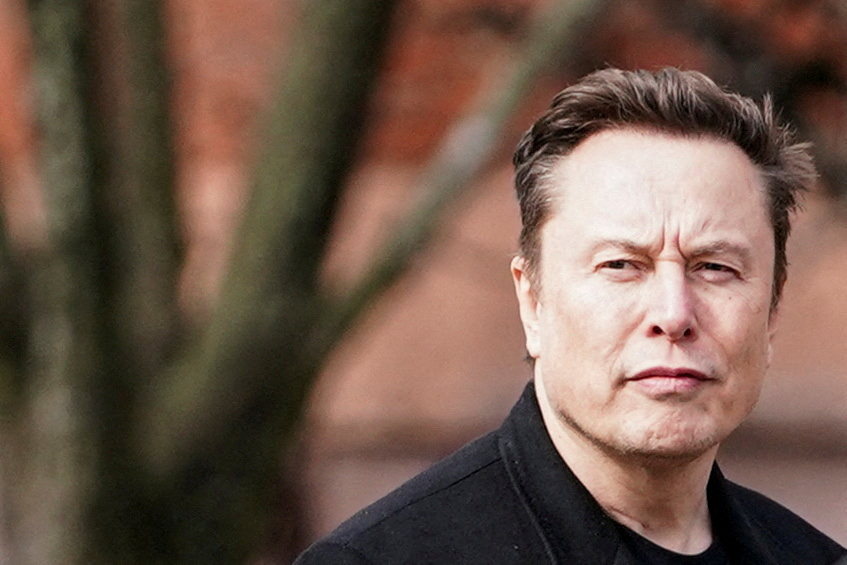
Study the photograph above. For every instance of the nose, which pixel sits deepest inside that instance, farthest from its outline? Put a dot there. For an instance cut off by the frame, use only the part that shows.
(671, 312)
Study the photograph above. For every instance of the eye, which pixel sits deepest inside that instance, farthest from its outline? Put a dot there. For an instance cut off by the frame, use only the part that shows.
(617, 264)
(716, 272)
(621, 269)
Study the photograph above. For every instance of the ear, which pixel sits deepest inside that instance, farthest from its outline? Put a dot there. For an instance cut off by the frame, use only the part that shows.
(529, 305)
(773, 318)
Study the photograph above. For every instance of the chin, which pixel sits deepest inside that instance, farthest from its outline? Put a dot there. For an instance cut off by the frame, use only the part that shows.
(673, 442)
(678, 452)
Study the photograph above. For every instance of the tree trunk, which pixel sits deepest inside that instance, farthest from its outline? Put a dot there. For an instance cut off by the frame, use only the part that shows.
(57, 460)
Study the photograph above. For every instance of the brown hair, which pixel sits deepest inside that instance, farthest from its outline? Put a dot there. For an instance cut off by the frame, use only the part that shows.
(671, 101)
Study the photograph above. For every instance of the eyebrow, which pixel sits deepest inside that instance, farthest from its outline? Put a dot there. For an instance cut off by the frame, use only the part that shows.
(724, 247)
(619, 243)
(721, 247)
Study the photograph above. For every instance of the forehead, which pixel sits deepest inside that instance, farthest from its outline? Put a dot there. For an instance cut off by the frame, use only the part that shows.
(644, 165)
(656, 189)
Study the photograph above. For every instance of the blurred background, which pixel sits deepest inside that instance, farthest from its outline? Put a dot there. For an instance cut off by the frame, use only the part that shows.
(254, 264)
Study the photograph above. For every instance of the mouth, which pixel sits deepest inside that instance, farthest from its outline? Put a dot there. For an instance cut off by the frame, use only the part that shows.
(670, 373)
(660, 382)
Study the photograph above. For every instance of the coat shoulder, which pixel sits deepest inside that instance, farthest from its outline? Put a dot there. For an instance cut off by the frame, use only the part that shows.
(792, 535)
(463, 509)
(458, 474)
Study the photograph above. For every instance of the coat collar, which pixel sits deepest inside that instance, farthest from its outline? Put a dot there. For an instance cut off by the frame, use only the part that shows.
(743, 541)
(573, 525)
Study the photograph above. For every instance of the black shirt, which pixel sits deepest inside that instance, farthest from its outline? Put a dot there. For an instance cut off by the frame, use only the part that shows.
(645, 551)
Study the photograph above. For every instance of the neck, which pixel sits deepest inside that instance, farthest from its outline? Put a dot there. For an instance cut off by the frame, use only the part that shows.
(662, 499)
(666, 507)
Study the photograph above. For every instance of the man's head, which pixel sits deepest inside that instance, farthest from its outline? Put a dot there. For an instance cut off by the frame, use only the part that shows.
(655, 213)
(684, 103)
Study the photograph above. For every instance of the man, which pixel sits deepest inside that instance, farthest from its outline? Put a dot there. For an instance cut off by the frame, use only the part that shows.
(652, 257)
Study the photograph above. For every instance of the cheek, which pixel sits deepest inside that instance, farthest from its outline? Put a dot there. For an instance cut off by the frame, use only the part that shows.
(740, 399)
(745, 335)
(747, 355)
(738, 321)
(587, 327)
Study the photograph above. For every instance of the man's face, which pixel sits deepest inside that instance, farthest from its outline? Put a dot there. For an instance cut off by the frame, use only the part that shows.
(651, 327)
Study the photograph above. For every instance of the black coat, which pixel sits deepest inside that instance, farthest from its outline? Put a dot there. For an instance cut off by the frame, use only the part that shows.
(508, 498)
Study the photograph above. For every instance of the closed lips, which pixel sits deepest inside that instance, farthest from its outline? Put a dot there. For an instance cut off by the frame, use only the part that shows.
(670, 373)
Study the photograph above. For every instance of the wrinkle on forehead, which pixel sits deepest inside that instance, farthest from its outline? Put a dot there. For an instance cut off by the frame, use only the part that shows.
(660, 195)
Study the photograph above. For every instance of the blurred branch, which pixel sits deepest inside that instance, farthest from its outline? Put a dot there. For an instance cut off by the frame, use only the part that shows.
(466, 151)
(213, 431)
(135, 181)
(13, 325)
(312, 134)
(127, 90)
(249, 354)
(58, 458)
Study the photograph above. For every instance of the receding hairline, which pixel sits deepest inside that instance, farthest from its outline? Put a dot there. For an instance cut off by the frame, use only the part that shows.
(680, 102)
(551, 164)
